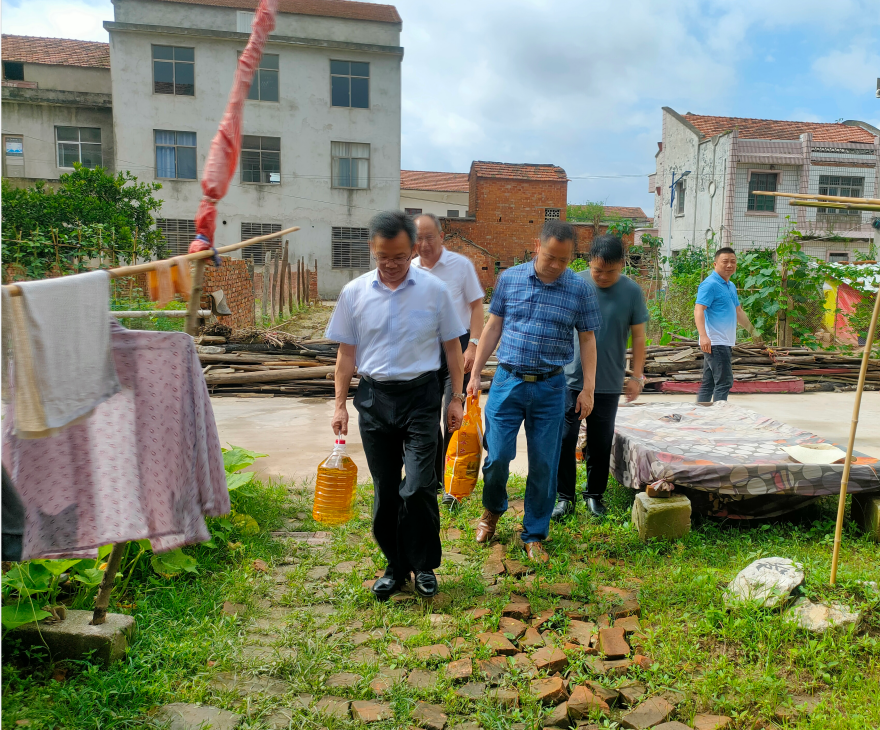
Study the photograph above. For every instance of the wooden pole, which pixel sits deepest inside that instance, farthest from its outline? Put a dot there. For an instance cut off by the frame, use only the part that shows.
(306, 283)
(836, 206)
(283, 284)
(269, 272)
(264, 298)
(299, 285)
(847, 464)
(195, 299)
(102, 600)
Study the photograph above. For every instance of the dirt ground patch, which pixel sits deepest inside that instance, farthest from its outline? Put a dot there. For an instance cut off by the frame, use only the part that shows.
(311, 322)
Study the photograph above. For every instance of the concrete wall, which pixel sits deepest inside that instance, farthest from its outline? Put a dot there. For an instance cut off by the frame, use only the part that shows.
(34, 114)
(303, 119)
(68, 78)
(432, 201)
(679, 153)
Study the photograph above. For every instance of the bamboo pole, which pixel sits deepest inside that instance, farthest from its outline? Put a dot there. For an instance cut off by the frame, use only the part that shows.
(15, 290)
(268, 376)
(837, 206)
(847, 464)
(809, 196)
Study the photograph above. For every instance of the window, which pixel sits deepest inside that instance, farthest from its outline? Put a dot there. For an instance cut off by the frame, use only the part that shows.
(13, 71)
(79, 144)
(838, 257)
(412, 211)
(175, 154)
(350, 248)
(680, 188)
(174, 70)
(257, 252)
(551, 214)
(244, 21)
(178, 234)
(847, 187)
(350, 84)
(350, 165)
(261, 160)
(265, 84)
(452, 214)
(762, 181)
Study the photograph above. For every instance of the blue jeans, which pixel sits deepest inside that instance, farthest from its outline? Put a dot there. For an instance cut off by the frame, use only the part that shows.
(542, 406)
(717, 375)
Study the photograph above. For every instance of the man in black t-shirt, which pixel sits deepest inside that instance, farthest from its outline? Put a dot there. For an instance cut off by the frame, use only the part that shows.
(622, 305)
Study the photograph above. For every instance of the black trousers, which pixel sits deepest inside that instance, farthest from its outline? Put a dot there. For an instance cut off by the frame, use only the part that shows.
(600, 434)
(445, 435)
(398, 425)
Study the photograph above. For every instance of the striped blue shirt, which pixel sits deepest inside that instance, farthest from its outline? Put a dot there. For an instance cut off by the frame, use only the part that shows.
(538, 317)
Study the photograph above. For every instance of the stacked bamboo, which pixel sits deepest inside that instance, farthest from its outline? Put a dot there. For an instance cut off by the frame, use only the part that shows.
(682, 361)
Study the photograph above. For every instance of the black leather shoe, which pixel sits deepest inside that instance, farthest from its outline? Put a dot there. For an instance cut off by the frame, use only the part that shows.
(386, 587)
(426, 583)
(563, 508)
(596, 506)
(449, 501)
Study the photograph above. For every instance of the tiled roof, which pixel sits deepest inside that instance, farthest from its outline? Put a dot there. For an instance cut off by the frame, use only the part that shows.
(324, 8)
(778, 129)
(447, 182)
(512, 171)
(614, 211)
(55, 51)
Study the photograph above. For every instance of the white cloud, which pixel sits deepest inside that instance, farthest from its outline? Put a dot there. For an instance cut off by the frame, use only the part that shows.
(855, 69)
(81, 19)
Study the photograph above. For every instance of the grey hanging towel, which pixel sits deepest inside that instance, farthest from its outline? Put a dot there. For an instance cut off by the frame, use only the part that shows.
(62, 355)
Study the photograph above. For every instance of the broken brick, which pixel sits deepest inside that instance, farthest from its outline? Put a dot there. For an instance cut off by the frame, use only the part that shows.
(513, 626)
(429, 716)
(497, 643)
(612, 643)
(520, 610)
(531, 639)
(651, 712)
(435, 651)
(460, 670)
(368, 711)
(550, 659)
(582, 702)
(549, 691)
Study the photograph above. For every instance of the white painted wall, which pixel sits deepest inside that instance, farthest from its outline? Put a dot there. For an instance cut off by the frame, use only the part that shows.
(432, 201)
(303, 119)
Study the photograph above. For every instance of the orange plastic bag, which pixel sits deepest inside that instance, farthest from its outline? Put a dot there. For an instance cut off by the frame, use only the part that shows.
(465, 452)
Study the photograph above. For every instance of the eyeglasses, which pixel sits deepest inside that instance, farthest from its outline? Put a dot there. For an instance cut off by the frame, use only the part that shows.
(399, 260)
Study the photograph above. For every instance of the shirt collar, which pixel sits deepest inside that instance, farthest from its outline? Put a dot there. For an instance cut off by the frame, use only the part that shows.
(530, 271)
(376, 283)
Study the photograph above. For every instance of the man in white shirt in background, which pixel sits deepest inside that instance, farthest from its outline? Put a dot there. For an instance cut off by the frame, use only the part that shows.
(392, 323)
(460, 276)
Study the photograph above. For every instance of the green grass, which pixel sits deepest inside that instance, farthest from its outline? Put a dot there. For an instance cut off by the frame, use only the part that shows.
(741, 663)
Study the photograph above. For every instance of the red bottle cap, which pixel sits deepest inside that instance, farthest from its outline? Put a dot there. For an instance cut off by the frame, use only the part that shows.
(340, 441)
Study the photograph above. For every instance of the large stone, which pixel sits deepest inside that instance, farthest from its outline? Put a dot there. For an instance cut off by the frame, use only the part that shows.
(428, 716)
(550, 659)
(548, 691)
(184, 716)
(583, 701)
(669, 518)
(767, 581)
(820, 617)
(73, 638)
(651, 712)
(369, 711)
(711, 722)
(866, 514)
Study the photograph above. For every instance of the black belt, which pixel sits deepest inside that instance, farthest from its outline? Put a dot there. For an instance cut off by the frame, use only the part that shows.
(531, 377)
(399, 386)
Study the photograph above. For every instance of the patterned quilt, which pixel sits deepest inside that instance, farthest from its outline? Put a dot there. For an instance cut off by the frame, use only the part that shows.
(724, 449)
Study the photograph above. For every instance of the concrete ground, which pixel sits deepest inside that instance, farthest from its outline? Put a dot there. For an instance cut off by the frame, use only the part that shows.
(296, 434)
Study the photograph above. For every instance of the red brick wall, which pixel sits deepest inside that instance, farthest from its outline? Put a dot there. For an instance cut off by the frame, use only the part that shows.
(483, 262)
(235, 279)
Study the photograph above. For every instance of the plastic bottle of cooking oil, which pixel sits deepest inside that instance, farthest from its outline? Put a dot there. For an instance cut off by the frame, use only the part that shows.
(335, 487)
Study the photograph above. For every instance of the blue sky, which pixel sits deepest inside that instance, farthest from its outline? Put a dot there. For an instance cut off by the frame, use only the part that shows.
(580, 83)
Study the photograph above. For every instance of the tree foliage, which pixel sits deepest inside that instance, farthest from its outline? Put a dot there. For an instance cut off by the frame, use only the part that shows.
(93, 213)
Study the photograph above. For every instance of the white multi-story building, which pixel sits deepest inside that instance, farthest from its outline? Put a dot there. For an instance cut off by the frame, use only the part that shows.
(719, 162)
(321, 133)
(441, 193)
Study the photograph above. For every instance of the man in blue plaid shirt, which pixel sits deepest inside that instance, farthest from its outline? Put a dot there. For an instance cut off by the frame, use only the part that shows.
(534, 308)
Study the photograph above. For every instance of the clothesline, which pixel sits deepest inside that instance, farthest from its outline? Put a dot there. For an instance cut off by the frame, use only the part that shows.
(15, 290)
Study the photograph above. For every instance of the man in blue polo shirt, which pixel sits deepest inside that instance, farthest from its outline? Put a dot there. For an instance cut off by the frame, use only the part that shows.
(535, 307)
(716, 314)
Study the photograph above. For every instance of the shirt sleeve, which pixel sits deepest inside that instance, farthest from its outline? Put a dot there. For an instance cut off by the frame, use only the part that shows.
(640, 310)
(472, 289)
(497, 305)
(587, 317)
(706, 293)
(448, 322)
(341, 327)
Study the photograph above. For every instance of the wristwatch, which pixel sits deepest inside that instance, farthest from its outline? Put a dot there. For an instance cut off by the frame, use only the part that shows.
(640, 381)
(460, 396)
(474, 340)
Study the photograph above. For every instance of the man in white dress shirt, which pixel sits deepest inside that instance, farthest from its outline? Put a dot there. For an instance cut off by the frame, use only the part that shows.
(460, 277)
(390, 323)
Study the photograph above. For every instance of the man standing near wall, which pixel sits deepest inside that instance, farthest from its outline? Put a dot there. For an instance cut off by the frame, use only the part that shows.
(390, 322)
(716, 314)
(535, 307)
(460, 277)
(624, 314)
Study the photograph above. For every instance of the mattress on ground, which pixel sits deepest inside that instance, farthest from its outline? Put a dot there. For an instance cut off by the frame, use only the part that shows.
(724, 449)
